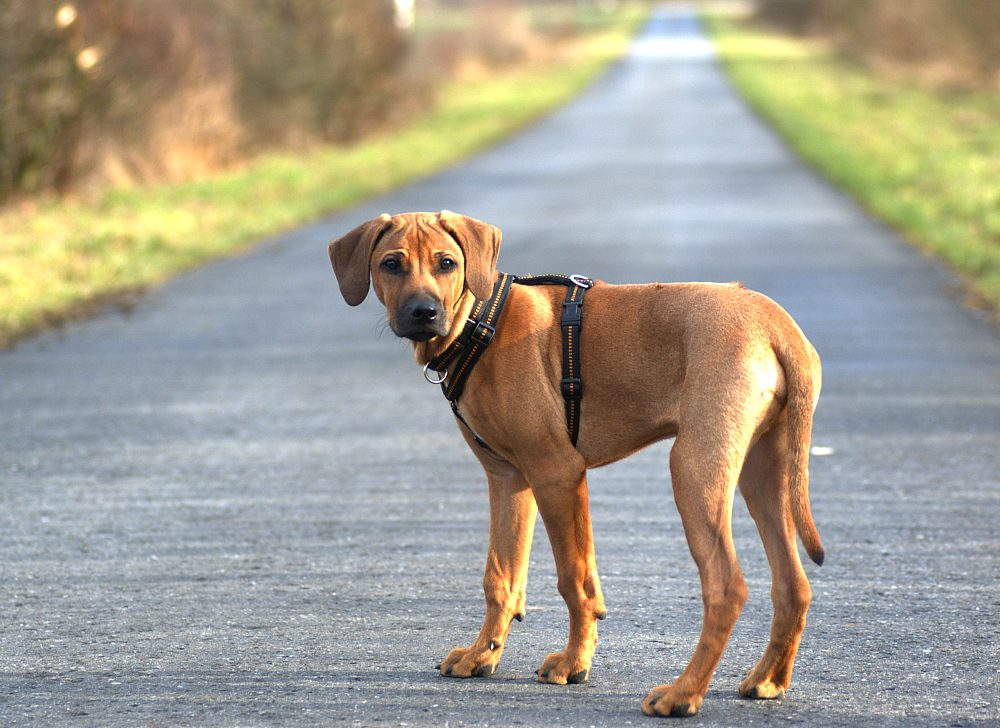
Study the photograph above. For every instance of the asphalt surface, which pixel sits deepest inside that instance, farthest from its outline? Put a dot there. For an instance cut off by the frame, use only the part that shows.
(241, 504)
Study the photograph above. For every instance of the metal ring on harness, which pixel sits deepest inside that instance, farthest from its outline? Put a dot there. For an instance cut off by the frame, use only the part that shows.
(581, 280)
(434, 381)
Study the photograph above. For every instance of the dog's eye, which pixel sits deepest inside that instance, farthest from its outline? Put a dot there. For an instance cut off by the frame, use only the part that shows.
(390, 264)
(447, 264)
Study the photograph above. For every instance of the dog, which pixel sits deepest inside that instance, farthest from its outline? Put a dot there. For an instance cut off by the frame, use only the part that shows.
(722, 369)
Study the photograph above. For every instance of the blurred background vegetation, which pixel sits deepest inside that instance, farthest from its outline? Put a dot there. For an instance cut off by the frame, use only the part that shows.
(139, 90)
(946, 43)
(124, 91)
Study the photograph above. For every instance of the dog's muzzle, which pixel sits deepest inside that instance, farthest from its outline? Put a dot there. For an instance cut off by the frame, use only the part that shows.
(420, 318)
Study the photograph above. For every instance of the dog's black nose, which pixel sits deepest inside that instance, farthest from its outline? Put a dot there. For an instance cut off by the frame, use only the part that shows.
(420, 318)
(422, 310)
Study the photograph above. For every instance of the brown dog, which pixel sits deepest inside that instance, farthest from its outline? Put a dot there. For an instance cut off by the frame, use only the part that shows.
(724, 370)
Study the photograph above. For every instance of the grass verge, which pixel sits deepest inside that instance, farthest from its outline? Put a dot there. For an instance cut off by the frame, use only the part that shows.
(62, 259)
(927, 162)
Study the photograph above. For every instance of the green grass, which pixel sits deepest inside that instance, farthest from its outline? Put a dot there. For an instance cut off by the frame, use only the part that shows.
(59, 259)
(925, 161)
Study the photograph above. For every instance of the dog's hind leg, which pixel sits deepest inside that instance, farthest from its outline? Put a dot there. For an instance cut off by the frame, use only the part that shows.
(560, 488)
(764, 484)
(704, 468)
(512, 522)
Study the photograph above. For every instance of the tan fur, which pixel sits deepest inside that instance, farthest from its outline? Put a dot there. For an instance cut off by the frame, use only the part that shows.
(723, 369)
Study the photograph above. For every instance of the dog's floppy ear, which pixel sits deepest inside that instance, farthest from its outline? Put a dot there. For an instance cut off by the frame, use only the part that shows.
(351, 257)
(480, 243)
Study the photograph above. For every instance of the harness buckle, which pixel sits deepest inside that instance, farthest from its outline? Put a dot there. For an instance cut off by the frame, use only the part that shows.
(581, 280)
(572, 387)
(483, 333)
(572, 313)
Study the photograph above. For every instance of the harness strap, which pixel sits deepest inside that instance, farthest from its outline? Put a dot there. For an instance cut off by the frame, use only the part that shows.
(572, 385)
(441, 361)
(475, 435)
(480, 329)
(475, 337)
(571, 324)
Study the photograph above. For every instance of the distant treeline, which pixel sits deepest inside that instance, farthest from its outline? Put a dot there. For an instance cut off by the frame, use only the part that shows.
(165, 89)
(950, 43)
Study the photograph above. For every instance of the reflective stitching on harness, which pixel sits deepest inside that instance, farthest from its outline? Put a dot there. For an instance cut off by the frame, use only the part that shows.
(569, 338)
(461, 371)
(496, 300)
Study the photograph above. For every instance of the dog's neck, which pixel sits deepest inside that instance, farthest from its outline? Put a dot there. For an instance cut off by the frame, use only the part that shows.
(424, 351)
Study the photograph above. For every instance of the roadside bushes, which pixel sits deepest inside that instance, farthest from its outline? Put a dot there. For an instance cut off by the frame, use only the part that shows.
(98, 93)
(139, 90)
(950, 43)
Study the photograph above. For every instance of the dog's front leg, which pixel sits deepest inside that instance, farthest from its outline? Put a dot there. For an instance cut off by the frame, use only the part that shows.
(512, 521)
(561, 494)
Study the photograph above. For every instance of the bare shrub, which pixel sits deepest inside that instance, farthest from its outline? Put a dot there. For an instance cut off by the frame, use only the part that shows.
(161, 101)
(311, 67)
(42, 93)
(123, 90)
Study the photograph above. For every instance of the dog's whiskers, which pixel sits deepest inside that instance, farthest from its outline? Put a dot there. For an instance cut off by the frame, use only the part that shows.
(382, 328)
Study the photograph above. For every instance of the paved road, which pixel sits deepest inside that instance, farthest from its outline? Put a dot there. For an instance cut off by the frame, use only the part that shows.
(241, 505)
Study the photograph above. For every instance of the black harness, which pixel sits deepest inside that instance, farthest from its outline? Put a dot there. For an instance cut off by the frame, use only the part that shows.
(480, 329)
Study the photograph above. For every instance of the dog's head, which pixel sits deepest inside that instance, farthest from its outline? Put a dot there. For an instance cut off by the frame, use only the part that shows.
(421, 266)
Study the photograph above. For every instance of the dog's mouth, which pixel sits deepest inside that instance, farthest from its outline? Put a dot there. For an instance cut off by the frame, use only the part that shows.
(420, 318)
(418, 332)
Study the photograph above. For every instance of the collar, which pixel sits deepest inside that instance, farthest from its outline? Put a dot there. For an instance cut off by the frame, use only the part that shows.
(455, 363)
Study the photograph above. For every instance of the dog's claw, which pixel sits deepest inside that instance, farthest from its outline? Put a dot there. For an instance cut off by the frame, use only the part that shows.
(668, 702)
(767, 691)
(448, 671)
(681, 711)
(437, 666)
(578, 678)
(484, 671)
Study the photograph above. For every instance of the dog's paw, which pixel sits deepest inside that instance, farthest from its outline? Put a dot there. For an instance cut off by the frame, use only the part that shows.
(668, 701)
(470, 662)
(760, 689)
(561, 669)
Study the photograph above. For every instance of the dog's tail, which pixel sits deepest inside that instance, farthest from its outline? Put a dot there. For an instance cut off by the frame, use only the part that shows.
(802, 377)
